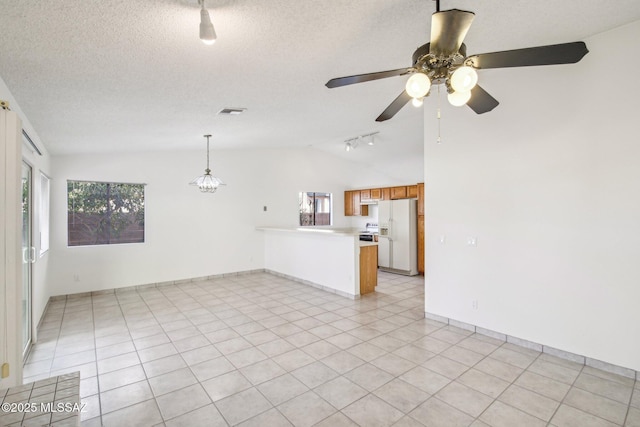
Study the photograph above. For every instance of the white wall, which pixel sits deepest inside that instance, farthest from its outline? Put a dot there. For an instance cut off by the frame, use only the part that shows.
(189, 234)
(549, 184)
(324, 259)
(39, 163)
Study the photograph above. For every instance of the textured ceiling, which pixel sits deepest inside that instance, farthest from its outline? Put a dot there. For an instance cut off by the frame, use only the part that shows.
(115, 75)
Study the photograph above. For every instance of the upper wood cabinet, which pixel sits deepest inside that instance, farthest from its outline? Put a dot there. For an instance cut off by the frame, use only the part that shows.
(412, 191)
(386, 194)
(352, 206)
(398, 193)
(421, 198)
(348, 203)
(359, 209)
(365, 194)
(376, 194)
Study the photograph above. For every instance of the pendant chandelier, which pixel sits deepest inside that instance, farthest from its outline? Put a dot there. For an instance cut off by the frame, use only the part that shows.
(207, 183)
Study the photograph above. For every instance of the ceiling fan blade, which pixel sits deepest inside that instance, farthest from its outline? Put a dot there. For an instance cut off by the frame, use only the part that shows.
(360, 78)
(448, 30)
(565, 53)
(481, 101)
(394, 107)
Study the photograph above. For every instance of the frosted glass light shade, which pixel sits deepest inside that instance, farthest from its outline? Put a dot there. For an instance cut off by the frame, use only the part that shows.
(458, 99)
(207, 33)
(417, 102)
(464, 79)
(207, 183)
(418, 85)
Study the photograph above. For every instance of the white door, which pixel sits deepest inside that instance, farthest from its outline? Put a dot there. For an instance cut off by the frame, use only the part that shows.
(401, 249)
(384, 216)
(28, 257)
(384, 252)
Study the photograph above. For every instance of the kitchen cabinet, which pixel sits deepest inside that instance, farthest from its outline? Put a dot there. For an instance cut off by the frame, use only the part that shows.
(352, 205)
(368, 269)
(376, 193)
(365, 194)
(398, 193)
(421, 198)
(386, 194)
(421, 244)
(412, 191)
(348, 203)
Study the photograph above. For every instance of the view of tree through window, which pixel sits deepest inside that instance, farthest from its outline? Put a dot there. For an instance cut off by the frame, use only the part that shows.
(315, 208)
(103, 213)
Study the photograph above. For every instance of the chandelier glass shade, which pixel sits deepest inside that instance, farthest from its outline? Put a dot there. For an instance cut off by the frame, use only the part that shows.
(207, 183)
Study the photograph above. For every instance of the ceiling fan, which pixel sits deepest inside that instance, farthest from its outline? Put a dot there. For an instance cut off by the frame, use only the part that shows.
(444, 60)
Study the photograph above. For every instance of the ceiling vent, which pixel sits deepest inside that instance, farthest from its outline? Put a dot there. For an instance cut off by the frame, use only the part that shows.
(231, 111)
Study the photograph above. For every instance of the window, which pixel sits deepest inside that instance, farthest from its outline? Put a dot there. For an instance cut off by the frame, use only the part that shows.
(315, 208)
(45, 188)
(104, 213)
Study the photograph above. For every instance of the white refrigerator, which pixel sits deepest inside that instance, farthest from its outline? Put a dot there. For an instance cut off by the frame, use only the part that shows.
(398, 236)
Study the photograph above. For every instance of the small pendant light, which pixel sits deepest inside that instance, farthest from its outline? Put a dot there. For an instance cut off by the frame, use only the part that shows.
(207, 183)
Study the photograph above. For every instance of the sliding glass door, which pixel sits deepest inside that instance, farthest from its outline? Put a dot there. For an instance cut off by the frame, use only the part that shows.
(28, 256)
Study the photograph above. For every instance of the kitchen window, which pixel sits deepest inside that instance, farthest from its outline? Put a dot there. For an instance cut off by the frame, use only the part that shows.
(315, 208)
(104, 213)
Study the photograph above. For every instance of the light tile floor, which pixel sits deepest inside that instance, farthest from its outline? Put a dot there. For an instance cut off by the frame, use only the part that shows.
(261, 350)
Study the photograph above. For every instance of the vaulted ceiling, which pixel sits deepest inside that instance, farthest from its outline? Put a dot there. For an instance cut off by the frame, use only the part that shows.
(118, 75)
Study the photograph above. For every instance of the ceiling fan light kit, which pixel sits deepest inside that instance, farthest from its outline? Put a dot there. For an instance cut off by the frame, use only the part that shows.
(444, 61)
(459, 98)
(207, 32)
(418, 85)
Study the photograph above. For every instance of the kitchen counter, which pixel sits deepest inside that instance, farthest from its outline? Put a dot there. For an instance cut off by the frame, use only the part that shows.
(362, 243)
(323, 230)
(328, 258)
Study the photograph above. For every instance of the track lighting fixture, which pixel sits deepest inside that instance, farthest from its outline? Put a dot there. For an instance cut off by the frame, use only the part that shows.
(352, 143)
(207, 33)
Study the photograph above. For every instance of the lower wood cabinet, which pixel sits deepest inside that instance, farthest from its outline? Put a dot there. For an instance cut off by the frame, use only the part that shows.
(368, 269)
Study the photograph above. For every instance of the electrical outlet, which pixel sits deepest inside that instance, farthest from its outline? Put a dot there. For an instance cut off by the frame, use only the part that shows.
(472, 241)
(76, 277)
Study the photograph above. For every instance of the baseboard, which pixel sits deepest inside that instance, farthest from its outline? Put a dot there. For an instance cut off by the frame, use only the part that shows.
(154, 285)
(313, 284)
(136, 288)
(583, 360)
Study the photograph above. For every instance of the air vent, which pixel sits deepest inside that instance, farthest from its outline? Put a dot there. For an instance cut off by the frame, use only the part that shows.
(231, 111)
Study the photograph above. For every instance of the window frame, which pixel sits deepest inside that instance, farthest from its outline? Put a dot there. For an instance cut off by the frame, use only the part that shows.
(44, 214)
(109, 243)
(304, 194)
